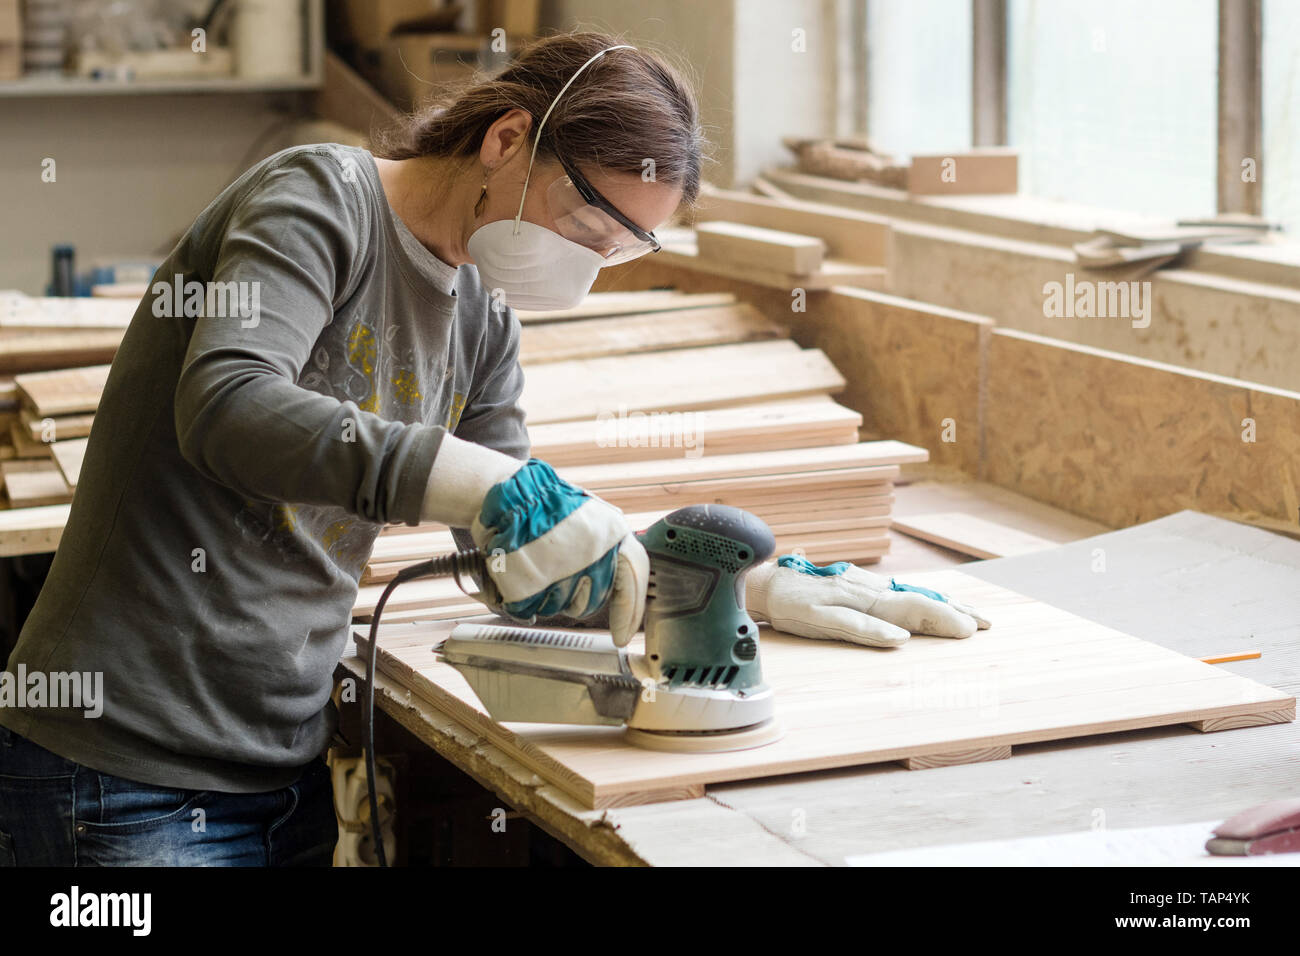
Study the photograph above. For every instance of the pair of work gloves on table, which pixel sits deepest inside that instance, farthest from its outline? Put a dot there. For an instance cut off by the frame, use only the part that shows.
(554, 549)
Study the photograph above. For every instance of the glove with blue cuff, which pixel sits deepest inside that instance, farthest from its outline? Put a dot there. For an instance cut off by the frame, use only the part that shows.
(552, 548)
(842, 602)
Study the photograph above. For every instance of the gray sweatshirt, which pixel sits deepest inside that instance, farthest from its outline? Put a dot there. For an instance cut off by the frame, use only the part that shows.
(251, 442)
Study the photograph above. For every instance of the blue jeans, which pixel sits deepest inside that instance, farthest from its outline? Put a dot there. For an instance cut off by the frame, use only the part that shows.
(54, 812)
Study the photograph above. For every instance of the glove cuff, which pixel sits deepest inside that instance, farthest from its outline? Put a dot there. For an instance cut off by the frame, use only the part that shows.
(462, 475)
(757, 582)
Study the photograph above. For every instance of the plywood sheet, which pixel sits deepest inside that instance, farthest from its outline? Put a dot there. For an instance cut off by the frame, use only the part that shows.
(1038, 674)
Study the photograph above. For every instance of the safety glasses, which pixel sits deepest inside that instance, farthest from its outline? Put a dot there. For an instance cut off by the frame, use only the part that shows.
(584, 216)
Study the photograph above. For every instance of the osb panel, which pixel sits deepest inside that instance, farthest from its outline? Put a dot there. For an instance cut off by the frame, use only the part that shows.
(1121, 440)
(909, 367)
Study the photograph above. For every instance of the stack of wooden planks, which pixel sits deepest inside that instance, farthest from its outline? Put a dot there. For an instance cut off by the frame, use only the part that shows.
(50, 417)
(652, 422)
(52, 371)
(652, 400)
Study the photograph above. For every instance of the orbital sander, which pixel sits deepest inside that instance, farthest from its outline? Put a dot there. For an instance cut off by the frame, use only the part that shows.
(699, 685)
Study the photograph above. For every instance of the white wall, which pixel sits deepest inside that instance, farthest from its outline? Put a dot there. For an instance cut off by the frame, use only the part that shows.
(753, 87)
(132, 173)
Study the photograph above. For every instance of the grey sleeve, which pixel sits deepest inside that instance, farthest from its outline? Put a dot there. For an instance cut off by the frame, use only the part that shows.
(297, 239)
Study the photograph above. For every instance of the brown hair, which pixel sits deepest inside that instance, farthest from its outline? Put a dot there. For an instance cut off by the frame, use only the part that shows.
(627, 107)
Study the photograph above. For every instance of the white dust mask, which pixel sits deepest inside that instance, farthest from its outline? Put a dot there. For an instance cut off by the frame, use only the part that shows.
(531, 266)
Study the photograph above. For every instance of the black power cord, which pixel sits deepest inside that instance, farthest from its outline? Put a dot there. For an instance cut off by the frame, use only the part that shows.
(455, 564)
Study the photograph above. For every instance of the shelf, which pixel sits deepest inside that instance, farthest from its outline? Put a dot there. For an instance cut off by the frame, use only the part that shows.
(79, 86)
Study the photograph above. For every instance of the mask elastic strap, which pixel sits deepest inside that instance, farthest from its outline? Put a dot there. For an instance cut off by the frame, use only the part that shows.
(538, 138)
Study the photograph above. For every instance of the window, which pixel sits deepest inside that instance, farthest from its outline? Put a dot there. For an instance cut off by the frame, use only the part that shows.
(1114, 104)
(1280, 169)
(919, 75)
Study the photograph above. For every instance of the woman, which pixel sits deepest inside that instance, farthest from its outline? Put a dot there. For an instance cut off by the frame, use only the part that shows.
(318, 358)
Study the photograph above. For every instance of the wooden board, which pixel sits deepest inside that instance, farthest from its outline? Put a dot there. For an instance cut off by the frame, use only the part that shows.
(620, 335)
(19, 311)
(763, 426)
(971, 534)
(31, 530)
(849, 235)
(63, 392)
(1038, 674)
(55, 429)
(31, 349)
(794, 461)
(680, 251)
(34, 483)
(759, 248)
(628, 303)
(1122, 440)
(24, 445)
(684, 379)
(68, 456)
(987, 170)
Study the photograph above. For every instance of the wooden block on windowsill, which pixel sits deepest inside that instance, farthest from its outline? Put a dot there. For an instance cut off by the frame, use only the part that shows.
(989, 170)
(760, 248)
(679, 250)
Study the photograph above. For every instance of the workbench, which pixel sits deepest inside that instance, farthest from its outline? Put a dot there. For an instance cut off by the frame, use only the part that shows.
(1196, 584)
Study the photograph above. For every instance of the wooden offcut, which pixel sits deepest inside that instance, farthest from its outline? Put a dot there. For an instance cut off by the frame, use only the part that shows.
(849, 235)
(34, 483)
(985, 170)
(970, 534)
(55, 428)
(1039, 674)
(784, 252)
(68, 456)
(64, 391)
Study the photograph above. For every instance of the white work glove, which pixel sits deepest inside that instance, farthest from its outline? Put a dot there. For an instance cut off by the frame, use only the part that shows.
(843, 602)
(551, 547)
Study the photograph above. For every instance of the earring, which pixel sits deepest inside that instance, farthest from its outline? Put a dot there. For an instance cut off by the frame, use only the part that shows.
(482, 199)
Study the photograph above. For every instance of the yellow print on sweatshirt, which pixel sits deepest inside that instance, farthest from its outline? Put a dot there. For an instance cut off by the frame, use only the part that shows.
(407, 388)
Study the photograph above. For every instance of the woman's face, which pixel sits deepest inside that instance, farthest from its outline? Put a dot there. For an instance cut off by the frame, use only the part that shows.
(648, 204)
